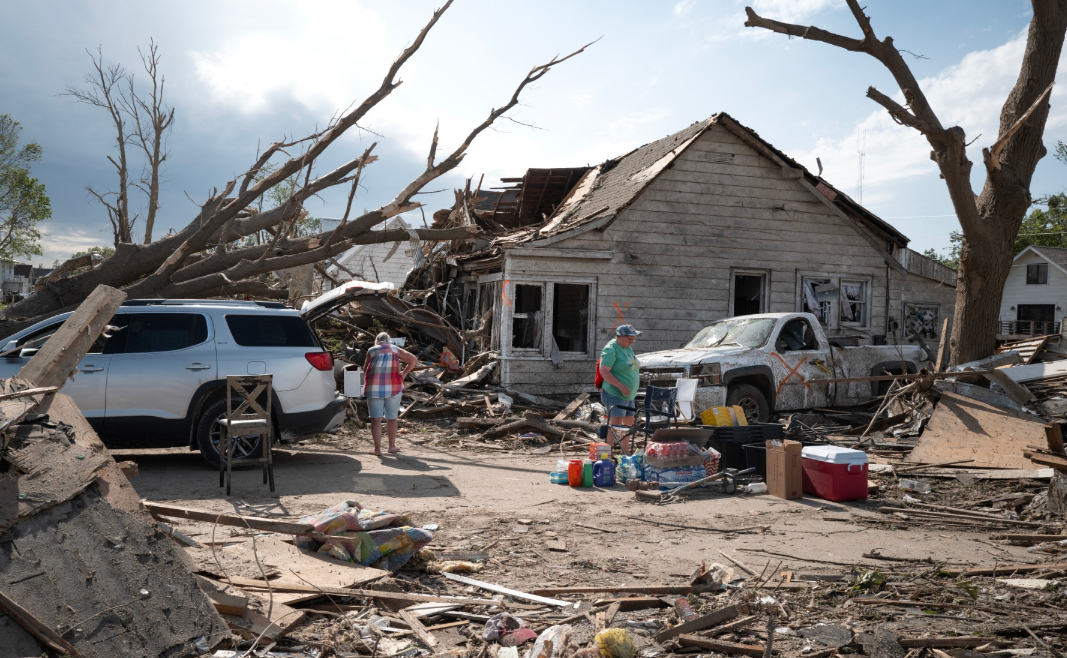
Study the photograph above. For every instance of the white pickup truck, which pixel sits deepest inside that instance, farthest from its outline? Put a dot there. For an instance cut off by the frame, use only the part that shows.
(776, 362)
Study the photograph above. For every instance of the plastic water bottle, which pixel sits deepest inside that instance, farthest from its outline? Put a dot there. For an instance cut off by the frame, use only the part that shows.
(756, 488)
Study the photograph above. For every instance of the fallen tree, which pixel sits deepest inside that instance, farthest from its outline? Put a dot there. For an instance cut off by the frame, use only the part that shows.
(991, 219)
(207, 257)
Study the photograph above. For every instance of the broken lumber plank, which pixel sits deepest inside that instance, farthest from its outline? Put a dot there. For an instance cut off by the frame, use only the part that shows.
(1002, 569)
(425, 636)
(279, 586)
(1054, 436)
(1055, 461)
(499, 589)
(733, 648)
(530, 419)
(37, 628)
(967, 512)
(629, 604)
(698, 624)
(572, 407)
(654, 590)
(965, 428)
(253, 522)
(923, 604)
(178, 536)
(57, 359)
(256, 623)
(951, 642)
(227, 600)
(1015, 391)
(37, 390)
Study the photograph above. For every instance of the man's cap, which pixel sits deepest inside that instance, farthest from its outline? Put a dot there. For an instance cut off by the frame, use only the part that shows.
(626, 330)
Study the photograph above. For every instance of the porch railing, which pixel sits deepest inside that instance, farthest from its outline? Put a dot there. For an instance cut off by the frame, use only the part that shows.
(1029, 328)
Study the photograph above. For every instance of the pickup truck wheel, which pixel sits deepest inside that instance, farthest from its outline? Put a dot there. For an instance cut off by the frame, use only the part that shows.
(209, 433)
(751, 400)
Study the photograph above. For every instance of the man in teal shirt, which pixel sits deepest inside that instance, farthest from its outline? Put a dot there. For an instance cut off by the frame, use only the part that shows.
(621, 373)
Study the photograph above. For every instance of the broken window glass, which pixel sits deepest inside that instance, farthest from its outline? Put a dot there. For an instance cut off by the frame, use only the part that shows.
(570, 316)
(820, 296)
(854, 302)
(527, 316)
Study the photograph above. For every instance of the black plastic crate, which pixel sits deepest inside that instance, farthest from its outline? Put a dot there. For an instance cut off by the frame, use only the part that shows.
(730, 442)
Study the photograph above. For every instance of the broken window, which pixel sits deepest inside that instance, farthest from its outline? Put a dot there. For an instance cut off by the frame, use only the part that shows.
(748, 294)
(527, 316)
(1037, 273)
(854, 303)
(487, 297)
(796, 335)
(570, 316)
(820, 297)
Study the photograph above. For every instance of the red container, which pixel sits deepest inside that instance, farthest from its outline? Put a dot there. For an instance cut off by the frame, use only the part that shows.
(574, 472)
(832, 473)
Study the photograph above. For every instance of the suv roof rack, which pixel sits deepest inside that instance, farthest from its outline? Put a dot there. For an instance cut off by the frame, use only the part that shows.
(203, 302)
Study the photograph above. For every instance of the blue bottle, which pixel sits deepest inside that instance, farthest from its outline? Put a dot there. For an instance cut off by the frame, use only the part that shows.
(604, 473)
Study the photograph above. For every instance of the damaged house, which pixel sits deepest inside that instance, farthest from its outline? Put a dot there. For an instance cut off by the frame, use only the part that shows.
(707, 223)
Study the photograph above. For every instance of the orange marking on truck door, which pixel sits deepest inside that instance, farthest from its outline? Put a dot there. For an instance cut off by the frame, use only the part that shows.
(792, 371)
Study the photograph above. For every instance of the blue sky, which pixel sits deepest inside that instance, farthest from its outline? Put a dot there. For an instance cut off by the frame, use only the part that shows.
(244, 73)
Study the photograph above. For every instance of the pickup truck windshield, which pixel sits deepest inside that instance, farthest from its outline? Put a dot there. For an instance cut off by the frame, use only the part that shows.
(746, 332)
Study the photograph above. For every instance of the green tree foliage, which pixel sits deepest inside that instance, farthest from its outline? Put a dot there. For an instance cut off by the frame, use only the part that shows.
(23, 201)
(278, 196)
(952, 258)
(106, 252)
(1046, 228)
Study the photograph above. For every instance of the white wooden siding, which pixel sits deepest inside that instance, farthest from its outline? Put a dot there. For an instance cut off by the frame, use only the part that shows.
(674, 248)
(1017, 291)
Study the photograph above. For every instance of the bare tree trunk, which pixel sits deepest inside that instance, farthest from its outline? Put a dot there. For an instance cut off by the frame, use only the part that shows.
(991, 220)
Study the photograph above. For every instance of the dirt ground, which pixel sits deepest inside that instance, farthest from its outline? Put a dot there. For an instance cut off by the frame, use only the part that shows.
(478, 498)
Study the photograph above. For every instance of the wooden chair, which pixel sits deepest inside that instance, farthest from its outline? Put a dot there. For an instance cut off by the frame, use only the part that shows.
(251, 416)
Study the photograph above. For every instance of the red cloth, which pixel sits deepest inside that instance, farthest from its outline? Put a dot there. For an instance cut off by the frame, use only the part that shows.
(383, 372)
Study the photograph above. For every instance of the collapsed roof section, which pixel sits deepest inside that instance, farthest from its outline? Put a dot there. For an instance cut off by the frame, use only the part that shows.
(549, 202)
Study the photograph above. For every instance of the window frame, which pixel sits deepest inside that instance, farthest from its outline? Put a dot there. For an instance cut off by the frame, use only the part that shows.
(125, 327)
(836, 322)
(765, 287)
(1037, 274)
(544, 351)
(510, 333)
(316, 340)
(867, 286)
(590, 323)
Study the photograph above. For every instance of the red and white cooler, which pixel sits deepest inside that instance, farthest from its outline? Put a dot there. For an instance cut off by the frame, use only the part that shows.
(834, 473)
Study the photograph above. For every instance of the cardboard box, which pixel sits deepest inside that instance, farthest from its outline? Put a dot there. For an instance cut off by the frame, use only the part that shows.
(785, 473)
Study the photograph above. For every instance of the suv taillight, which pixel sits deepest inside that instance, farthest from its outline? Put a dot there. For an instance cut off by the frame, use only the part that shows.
(320, 360)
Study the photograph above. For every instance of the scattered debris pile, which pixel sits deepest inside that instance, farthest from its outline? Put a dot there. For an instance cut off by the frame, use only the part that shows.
(83, 570)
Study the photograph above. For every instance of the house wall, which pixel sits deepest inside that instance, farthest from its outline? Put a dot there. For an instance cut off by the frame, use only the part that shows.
(1017, 291)
(673, 252)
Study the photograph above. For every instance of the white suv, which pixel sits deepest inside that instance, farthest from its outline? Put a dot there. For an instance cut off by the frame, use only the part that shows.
(159, 379)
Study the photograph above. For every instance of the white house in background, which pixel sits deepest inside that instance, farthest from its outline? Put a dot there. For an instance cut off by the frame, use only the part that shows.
(1035, 294)
(388, 261)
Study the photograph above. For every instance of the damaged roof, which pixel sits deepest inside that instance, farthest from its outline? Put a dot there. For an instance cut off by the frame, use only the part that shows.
(609, 188)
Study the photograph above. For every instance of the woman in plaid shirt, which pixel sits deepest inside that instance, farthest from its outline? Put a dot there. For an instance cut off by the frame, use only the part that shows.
(384, 386)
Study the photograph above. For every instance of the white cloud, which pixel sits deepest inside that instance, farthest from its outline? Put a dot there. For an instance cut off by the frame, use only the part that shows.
(793, 11)
(316, 62)
(969, 94)
(61, 245)
(684, 7)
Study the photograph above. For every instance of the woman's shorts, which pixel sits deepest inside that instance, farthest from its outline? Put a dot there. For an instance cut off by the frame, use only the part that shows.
(609, 401)
(387, 408)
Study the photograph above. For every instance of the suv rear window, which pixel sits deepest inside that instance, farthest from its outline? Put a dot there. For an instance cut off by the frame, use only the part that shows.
(162, 332)
(270, 331)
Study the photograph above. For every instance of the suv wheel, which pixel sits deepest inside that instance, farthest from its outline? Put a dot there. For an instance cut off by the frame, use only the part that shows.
(751, 400)
(209, 433)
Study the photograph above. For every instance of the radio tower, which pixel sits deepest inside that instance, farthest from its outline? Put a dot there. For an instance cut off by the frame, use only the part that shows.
(862, 152)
